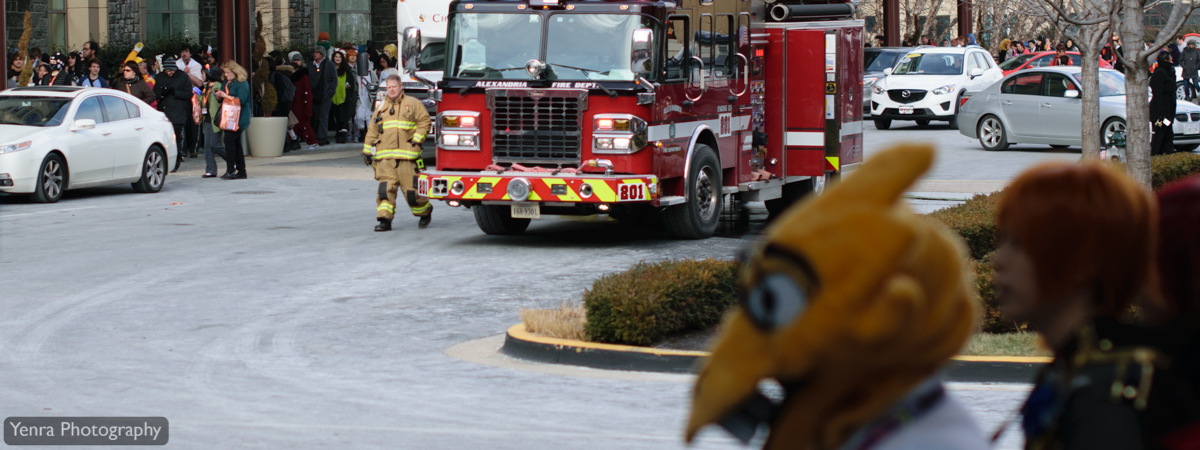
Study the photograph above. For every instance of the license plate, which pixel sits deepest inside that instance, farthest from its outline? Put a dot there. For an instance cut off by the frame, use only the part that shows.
(906, 110)
(526, 210)
(631, 192)
(1191, 128)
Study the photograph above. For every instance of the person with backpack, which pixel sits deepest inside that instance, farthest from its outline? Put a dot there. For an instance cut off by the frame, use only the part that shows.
(285, 91)
(1190, 62)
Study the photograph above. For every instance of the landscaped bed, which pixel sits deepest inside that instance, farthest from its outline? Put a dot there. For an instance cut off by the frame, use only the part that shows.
(679, 304)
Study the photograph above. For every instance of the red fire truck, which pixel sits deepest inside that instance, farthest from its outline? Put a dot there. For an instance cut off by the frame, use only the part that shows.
(642, 109)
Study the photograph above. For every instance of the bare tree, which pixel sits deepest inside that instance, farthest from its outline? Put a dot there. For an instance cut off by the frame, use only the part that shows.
(1087, 23)
(1137, 54)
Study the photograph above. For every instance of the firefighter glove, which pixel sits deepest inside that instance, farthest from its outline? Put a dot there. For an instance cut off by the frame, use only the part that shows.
(368, 159)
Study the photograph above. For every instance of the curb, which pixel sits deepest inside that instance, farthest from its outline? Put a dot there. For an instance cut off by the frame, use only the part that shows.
(522, 344)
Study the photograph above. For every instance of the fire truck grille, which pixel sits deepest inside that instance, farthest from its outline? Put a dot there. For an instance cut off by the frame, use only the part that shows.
(537, 126)
(898, 95)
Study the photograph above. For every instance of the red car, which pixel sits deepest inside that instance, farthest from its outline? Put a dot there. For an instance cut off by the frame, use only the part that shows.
(1041, 59)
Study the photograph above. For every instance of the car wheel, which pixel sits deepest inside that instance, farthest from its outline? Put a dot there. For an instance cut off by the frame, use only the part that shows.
(1186, 148)
(923, 123)
(1111, 126)
(51, 180)
(992, 135)
(154, 172)
(1180, 92)
(883, 124)
(1058, 146)
(697, 217)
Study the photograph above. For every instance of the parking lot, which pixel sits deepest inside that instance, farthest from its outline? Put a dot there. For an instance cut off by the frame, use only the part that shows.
(266, 313)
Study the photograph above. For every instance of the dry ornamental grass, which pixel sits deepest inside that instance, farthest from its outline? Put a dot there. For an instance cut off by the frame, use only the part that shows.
(565, 322)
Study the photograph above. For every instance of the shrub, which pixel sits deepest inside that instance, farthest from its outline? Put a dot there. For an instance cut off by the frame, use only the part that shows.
(1167, 168)
(975, 221)
(985, 283)
(116, 50)
(651, 301)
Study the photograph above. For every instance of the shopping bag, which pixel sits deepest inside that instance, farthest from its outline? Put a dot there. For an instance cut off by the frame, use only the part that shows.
(231, 111)
(292, 120)
(197, 110)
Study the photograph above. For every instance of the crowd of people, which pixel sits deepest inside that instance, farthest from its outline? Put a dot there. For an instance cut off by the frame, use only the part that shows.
(325, 94)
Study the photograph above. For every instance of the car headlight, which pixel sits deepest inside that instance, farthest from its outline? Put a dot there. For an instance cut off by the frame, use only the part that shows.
(868, 82)
(944, 89)
(15, 147)
(877, 89)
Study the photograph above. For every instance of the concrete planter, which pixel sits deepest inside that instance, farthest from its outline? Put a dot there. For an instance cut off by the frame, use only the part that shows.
(266, 136)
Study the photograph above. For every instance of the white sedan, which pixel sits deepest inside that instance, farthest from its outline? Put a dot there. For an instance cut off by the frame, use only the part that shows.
(54, 138)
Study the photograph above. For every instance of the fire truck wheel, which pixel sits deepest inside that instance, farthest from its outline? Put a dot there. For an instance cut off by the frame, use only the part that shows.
(497, 220)
(883, 124)
(697, 218)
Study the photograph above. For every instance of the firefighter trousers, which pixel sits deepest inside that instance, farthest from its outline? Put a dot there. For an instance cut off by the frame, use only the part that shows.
(396, 175)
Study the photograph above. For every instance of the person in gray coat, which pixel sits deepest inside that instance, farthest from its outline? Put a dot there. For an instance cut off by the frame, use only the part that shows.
(322, 74)
(1190, 62)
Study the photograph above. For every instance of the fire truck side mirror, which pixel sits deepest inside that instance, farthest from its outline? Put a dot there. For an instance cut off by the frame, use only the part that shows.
(642, 54)
(410, 48)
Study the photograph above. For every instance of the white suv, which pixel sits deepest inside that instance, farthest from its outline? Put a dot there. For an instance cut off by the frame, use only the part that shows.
(928, 84)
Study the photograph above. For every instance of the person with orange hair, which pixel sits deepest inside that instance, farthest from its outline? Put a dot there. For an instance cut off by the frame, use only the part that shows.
(1076, 248)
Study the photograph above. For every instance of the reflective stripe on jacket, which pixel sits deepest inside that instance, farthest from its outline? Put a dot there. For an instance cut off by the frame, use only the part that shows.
(393, 126)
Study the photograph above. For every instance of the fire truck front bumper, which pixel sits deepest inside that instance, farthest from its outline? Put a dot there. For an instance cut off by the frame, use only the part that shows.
(581, 189)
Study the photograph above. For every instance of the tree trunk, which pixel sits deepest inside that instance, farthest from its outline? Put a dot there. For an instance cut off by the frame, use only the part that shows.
(1090, 42)
(1137, 99)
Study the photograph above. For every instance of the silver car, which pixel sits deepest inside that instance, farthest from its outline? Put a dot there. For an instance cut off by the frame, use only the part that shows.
(1042, 106)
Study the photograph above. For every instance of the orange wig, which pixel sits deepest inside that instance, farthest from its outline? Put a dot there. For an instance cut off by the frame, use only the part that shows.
(1084, 226)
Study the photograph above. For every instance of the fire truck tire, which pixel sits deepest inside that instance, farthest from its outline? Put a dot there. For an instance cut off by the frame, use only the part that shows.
(792, 193)
(883, 124)
(697, 218)
(497, 220)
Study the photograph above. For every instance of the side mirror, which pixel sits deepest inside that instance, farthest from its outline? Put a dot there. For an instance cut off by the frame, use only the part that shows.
(887, 71)
(410, 48)
(83, 124)
(976, 72)
(1071, 94)
(642, 54)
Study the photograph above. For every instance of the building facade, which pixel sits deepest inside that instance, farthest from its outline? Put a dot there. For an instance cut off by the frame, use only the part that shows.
(66, 24)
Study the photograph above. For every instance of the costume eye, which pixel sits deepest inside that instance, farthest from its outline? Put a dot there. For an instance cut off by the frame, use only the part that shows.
(776, 301)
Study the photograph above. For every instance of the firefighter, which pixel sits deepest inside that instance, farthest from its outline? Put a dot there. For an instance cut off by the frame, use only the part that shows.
(393, 147)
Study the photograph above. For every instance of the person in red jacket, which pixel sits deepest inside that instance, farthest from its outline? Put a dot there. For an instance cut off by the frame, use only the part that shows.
(302, 104)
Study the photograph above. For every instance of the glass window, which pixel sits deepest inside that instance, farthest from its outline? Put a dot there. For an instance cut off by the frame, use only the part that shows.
(166, 18)
(1057, 85)
(982, 61)
(1030, 84)
(572, 53)
(33, 111)
(90, 109)
(972, 62)
(134, 111)
(930, 64)
(489, 45)
(678, 56)
(1112, 83)
(114, 109)
(1013, 63)
(1041, 61)
(346, 21)
(56, 11)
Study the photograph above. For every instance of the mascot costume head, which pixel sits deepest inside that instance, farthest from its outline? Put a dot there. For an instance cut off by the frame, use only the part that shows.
(851, 301)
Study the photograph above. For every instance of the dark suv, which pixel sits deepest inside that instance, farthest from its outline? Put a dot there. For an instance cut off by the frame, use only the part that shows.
(875, 60)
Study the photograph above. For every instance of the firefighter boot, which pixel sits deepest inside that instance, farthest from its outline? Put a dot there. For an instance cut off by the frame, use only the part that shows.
(424, 222)
(384, 225)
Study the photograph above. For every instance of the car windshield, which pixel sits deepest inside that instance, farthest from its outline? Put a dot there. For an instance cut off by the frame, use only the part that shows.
(33, 111)
(930, 64)
(499, 45)
(877, 61)
(1013, 63)
(1112, 84)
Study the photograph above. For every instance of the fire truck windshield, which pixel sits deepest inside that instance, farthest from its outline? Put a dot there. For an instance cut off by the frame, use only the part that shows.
(578, 46)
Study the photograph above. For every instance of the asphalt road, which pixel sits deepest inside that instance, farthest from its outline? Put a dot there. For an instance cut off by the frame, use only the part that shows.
(265, 313)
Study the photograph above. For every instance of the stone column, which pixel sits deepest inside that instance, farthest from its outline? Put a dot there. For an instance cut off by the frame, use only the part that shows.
(302, 22)
(383, 23)
(208, 22)
(124, 21)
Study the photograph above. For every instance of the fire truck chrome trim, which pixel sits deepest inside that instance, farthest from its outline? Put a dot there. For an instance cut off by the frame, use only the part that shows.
(518, 189)
(634, 136)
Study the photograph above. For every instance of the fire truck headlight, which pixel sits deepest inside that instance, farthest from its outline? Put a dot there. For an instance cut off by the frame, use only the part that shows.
(604, 143)
(620, 143)
(604, 124)
(457, 187)
(518, 189)
(943, 90)
(877, 89)
(450, 140)
(467, 121)
(466, 140)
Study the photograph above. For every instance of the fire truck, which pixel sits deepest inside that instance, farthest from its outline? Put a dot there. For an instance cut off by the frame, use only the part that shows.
(641, 109)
